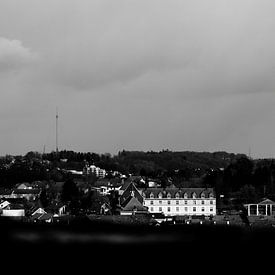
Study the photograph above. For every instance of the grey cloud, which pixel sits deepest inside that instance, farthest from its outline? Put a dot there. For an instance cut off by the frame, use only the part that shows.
(14, 56)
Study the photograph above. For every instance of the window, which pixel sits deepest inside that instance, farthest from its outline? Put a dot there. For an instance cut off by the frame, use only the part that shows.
(160, 202)
(169, 196)
(151, 196)
(185, 209)
(185, 202)
(168, 209)
(194, 209)
(211, 209)
(160, 209)
(177, 209)
(194, 195)
(194, 202)
(160, 195)
(211, 195)
(151, 202)
(152, 209)
(202, 195)
(202, 209)
(185, 195)
(169, 202)
(202, 202)
(211, 202)
(177, 202)
(177, 195)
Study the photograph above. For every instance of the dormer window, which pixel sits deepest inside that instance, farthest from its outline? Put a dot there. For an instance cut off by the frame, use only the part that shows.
(194, 195)
(185, 195)
(211, 196)
(177, 195)
(160, 195)
(168, 196)
(151, 196)
(202, 195)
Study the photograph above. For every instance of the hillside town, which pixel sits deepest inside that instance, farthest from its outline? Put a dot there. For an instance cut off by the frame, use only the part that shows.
(97, 194)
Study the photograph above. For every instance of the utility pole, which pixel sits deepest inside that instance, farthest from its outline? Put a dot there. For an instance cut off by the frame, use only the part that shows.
(56, 132)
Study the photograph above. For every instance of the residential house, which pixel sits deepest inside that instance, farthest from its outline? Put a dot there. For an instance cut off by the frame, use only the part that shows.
(131, 201)
(24, 185)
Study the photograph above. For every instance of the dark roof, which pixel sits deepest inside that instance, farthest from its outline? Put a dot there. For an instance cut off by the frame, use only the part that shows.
(133, 204)
(36, 216)
(181, 191)
(27, 191)
(46, 216)
(131, 191)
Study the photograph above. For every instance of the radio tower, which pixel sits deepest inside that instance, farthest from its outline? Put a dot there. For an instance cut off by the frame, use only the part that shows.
(56, 132)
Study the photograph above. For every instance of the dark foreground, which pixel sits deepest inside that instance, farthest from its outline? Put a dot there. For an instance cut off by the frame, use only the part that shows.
(95, 243)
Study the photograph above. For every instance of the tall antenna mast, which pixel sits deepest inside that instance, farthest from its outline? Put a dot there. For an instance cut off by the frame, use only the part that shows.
(56, 131)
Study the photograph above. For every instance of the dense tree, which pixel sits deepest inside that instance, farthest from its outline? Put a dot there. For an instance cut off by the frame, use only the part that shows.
(69, 191)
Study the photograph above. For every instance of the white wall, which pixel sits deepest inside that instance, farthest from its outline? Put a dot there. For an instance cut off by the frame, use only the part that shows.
(183, 207)
(13, 213)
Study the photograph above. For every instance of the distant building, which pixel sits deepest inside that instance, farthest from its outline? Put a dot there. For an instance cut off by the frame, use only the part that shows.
(180, 201)
(263, 208)
(131, 201)
(92, 169)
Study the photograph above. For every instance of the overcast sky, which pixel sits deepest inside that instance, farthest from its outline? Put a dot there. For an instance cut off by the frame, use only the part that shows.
(138, 75)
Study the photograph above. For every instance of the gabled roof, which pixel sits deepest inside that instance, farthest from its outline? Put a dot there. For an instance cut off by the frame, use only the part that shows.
(4, 204)
(267, 201)
(133, 204)
(131, 191)
(22, 184)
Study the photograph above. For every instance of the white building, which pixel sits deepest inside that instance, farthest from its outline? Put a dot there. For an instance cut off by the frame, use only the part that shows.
(180, 201)
(92, 169)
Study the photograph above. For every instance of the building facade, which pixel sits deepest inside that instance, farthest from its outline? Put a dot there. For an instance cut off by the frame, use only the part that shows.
(92, 169)
(180, 201)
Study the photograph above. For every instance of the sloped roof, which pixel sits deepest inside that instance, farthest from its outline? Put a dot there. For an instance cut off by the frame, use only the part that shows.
(46, 216)
(267, 201)
(133, 204)
(131, 191)
(181, 191)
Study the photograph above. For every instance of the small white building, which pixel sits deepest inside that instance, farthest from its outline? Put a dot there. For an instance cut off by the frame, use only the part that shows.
(180, 201)
(13, 212)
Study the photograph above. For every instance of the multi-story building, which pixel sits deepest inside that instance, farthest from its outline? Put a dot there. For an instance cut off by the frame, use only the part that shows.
(180, 201)
(92, 169)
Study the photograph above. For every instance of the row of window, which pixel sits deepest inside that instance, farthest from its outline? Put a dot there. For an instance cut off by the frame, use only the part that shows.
(177, 209)
(185, 196)
(185, 202)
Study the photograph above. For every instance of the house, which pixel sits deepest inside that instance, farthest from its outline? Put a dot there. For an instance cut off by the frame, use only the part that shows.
(24, 185)
(57, 208)
(39, 210)
(180, 201)
(42, 217)
(4, 205)
(104, 186)
(131, 201)
(105, 208)
(130, 191)
(265, 207)
(132, 206)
